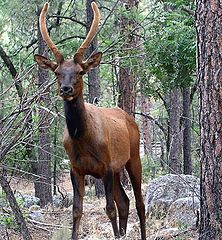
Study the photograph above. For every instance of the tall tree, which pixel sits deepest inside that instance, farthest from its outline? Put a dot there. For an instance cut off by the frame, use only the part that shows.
(146, 125)
(209, 44)
(127, 81)
(175, 136)
(43, 187)
(187, 160)
(171, 60)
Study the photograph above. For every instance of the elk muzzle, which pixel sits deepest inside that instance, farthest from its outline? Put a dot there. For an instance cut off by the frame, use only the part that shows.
(66, 91)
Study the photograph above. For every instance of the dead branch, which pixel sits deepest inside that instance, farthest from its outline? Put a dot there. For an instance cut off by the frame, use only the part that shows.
(68, 18)
(14, 206)
(12, 70)
(146, 115)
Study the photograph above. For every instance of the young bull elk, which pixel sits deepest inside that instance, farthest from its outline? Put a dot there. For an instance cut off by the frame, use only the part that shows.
(98, 141)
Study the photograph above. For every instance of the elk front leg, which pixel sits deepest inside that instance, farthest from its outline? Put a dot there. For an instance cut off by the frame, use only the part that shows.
(108, 180)
(78, 193)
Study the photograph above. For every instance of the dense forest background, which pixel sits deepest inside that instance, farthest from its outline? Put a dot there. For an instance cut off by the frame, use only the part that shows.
(148, 69)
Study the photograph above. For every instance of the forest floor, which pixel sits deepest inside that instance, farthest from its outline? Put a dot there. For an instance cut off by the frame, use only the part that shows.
(94, 224)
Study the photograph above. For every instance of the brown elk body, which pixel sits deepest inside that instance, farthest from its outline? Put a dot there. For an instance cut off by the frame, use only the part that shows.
(98, 141)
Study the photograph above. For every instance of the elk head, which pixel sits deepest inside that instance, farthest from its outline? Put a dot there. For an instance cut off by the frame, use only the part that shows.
(69, 72)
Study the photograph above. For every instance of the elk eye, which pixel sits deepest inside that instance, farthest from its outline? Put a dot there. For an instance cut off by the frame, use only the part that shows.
(81, 72)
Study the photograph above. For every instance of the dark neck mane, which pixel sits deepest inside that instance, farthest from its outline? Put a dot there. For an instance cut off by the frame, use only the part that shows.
(75, 115)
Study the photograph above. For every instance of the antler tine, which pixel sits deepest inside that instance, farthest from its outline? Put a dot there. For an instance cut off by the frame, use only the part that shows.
(45, 34)
(91, 33)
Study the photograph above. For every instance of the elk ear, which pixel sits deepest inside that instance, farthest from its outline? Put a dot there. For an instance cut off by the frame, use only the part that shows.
(93, 61)
(78, 58)
(45, 63)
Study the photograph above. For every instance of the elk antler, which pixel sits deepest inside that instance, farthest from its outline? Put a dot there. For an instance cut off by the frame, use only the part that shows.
(80, 52)
(45, 34)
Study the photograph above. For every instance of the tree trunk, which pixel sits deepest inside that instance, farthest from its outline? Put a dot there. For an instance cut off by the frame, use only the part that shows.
(1, 106)
(127, 81)
(127, 94)
(187, 162)
(55, 160)
(175, 132)
(14, 206)
(146, 126)
(43, 188)
(209, 43)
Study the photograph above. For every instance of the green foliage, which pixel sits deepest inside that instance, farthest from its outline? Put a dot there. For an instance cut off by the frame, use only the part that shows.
(7, 220)
(182, 226)
(179, 3)
(151, 168)
(171, 50)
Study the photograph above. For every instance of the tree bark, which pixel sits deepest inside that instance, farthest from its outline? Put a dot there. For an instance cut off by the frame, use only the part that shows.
(127, 81)
(1, 106)
(187, 161)
(146, 126)
(14, 206)
(209, 44)
(43, 187)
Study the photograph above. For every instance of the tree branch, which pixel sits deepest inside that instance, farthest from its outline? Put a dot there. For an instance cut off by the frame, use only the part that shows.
(146, 115)
(164, 101)
(8, 62)
(14, 205)
(12, 70)
(69, 18)
(71, 37)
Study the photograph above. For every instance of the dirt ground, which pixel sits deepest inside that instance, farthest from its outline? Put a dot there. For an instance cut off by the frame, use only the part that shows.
(94, 224)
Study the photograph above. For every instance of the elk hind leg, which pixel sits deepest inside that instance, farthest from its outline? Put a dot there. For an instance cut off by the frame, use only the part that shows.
(108, 180)
(122, 202)
(134, 170)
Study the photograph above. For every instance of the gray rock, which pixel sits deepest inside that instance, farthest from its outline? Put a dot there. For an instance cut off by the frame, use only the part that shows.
(28, 200)
(37, 216)
(183, 212)
(57, 201)
(68, 201)
(34, 208)
(65, 201)
(163, 191)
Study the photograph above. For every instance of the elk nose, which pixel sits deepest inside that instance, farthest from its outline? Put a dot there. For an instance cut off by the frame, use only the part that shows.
(66, 90)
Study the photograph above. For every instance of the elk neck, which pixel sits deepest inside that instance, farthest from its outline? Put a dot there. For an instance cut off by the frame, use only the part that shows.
(75, 115)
